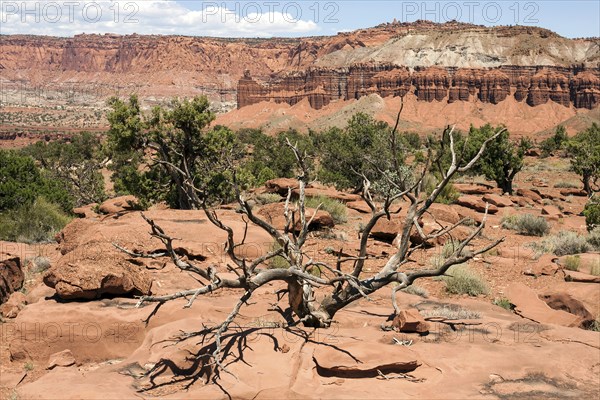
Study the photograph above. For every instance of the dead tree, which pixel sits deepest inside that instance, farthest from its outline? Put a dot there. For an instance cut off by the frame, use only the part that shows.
(346, 285)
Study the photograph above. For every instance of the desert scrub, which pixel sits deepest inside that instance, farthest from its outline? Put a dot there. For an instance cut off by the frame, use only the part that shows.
(526, 224)
(277, 262)
(268, 198)
(335, 208)
(593, 238)
(567, 242)
(417, 291)
(566, 185)
(572, 263)
(564, 243)
(461, 280)
(35, 223)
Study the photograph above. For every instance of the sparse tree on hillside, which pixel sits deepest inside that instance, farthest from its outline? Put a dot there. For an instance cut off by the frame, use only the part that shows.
(314, 299)
(503, 159)
(76, 162)
(153, 155)
(584, 150)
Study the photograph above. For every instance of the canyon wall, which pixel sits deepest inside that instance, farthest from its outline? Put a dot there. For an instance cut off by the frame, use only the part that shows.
(578, 86)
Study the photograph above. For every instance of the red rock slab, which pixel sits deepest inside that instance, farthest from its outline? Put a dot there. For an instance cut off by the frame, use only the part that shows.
(357, 360)
(530, 306)
(61, 359)
(575, 276)
(361, 206)
(444, 212)
(475, 203)
(472, 189)
(573, 192)
(530, 194)
(552, 211)
(119, 204)
(497, 200)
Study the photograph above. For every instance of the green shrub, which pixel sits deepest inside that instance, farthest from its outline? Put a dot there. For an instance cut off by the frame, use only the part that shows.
(461, 280)
(572, 263)
(554, 142)
(21, 182)
(448, 195)
(278, 262)
(592, 213)
(336, 208)
(595, 270)
(526, 224)
(35, 223)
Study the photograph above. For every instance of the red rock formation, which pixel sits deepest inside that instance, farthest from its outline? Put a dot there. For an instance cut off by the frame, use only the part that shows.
(321, 85)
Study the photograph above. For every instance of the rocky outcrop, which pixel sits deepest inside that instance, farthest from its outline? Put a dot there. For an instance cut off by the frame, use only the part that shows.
(11, 275)
(320, 85)
(86, 281)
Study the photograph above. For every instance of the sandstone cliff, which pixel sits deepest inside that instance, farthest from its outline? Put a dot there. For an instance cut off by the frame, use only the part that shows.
(64, 82)
(536, 85)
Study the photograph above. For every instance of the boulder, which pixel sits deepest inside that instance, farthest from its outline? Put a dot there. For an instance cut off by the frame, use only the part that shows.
(11, 275)
(16, 302)
(444, 212)
(355, 360)
(573, 192)
(475, 203)
(86, 280)
(61, 359)
(497, 200)
(281, 185)
(530, 194)
(472, 189)
(565, 302)
(360, 206)
(575, 276)
(86, 211)
(386, 230)
(119, 205)
(521, 201)
(552, 212)
(410, 321)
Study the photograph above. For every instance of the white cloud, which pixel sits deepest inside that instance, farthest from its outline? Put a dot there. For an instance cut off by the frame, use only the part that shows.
(167, 17)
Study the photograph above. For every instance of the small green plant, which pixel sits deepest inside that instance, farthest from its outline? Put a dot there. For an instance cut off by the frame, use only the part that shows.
(572, 263)
(335, 208)
(526, 224)
(417, 291)
(595, 269)
(504, 303)
(461, 280)
(29, 366)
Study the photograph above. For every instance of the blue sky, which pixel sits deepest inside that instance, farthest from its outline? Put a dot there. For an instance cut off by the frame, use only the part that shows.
(283, 18)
